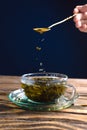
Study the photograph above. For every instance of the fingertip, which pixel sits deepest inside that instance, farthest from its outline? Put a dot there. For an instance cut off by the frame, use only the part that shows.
(75, 11)
(78, 24)
(84, 26)
(82, 29)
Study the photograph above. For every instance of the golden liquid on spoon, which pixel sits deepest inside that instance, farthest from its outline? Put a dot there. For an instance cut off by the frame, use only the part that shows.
(41, 30)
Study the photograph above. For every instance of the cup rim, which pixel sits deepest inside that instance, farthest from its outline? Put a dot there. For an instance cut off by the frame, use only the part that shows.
(63, 77)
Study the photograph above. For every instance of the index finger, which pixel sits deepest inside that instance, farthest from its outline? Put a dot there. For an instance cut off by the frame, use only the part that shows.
(81, 8)
(77, 9)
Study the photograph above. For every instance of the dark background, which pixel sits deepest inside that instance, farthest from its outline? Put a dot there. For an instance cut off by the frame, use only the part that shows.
(64, 49)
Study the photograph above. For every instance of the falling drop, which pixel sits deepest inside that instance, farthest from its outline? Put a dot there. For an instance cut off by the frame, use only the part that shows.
(42, 39)
(41, 70)
(39, 54)
(41, 63)
(38, 48)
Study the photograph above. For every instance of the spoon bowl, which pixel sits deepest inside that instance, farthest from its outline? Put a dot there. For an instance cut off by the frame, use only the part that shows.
(41, 30)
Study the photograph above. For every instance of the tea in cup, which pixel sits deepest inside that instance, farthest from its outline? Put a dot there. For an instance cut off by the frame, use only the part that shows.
(47, 87)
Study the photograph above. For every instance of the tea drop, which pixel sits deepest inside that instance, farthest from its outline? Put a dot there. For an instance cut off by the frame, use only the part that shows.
(41, 63)
(38, 48)
(41, 70)
(42, 39)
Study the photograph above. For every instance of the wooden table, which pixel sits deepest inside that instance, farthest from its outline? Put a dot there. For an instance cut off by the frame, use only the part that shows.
(13, 117)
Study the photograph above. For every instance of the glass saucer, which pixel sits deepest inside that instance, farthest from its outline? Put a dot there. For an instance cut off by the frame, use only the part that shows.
(19, 98)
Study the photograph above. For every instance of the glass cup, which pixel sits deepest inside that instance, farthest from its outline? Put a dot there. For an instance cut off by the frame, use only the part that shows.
(47, 88)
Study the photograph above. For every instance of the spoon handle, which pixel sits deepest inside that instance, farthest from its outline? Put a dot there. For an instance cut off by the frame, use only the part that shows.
(64, 20)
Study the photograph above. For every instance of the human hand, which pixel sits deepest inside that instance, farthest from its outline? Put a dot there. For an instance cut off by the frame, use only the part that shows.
(81, 17)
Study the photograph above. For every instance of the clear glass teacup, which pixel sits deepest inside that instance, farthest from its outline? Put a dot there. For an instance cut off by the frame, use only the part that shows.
(47, 88)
